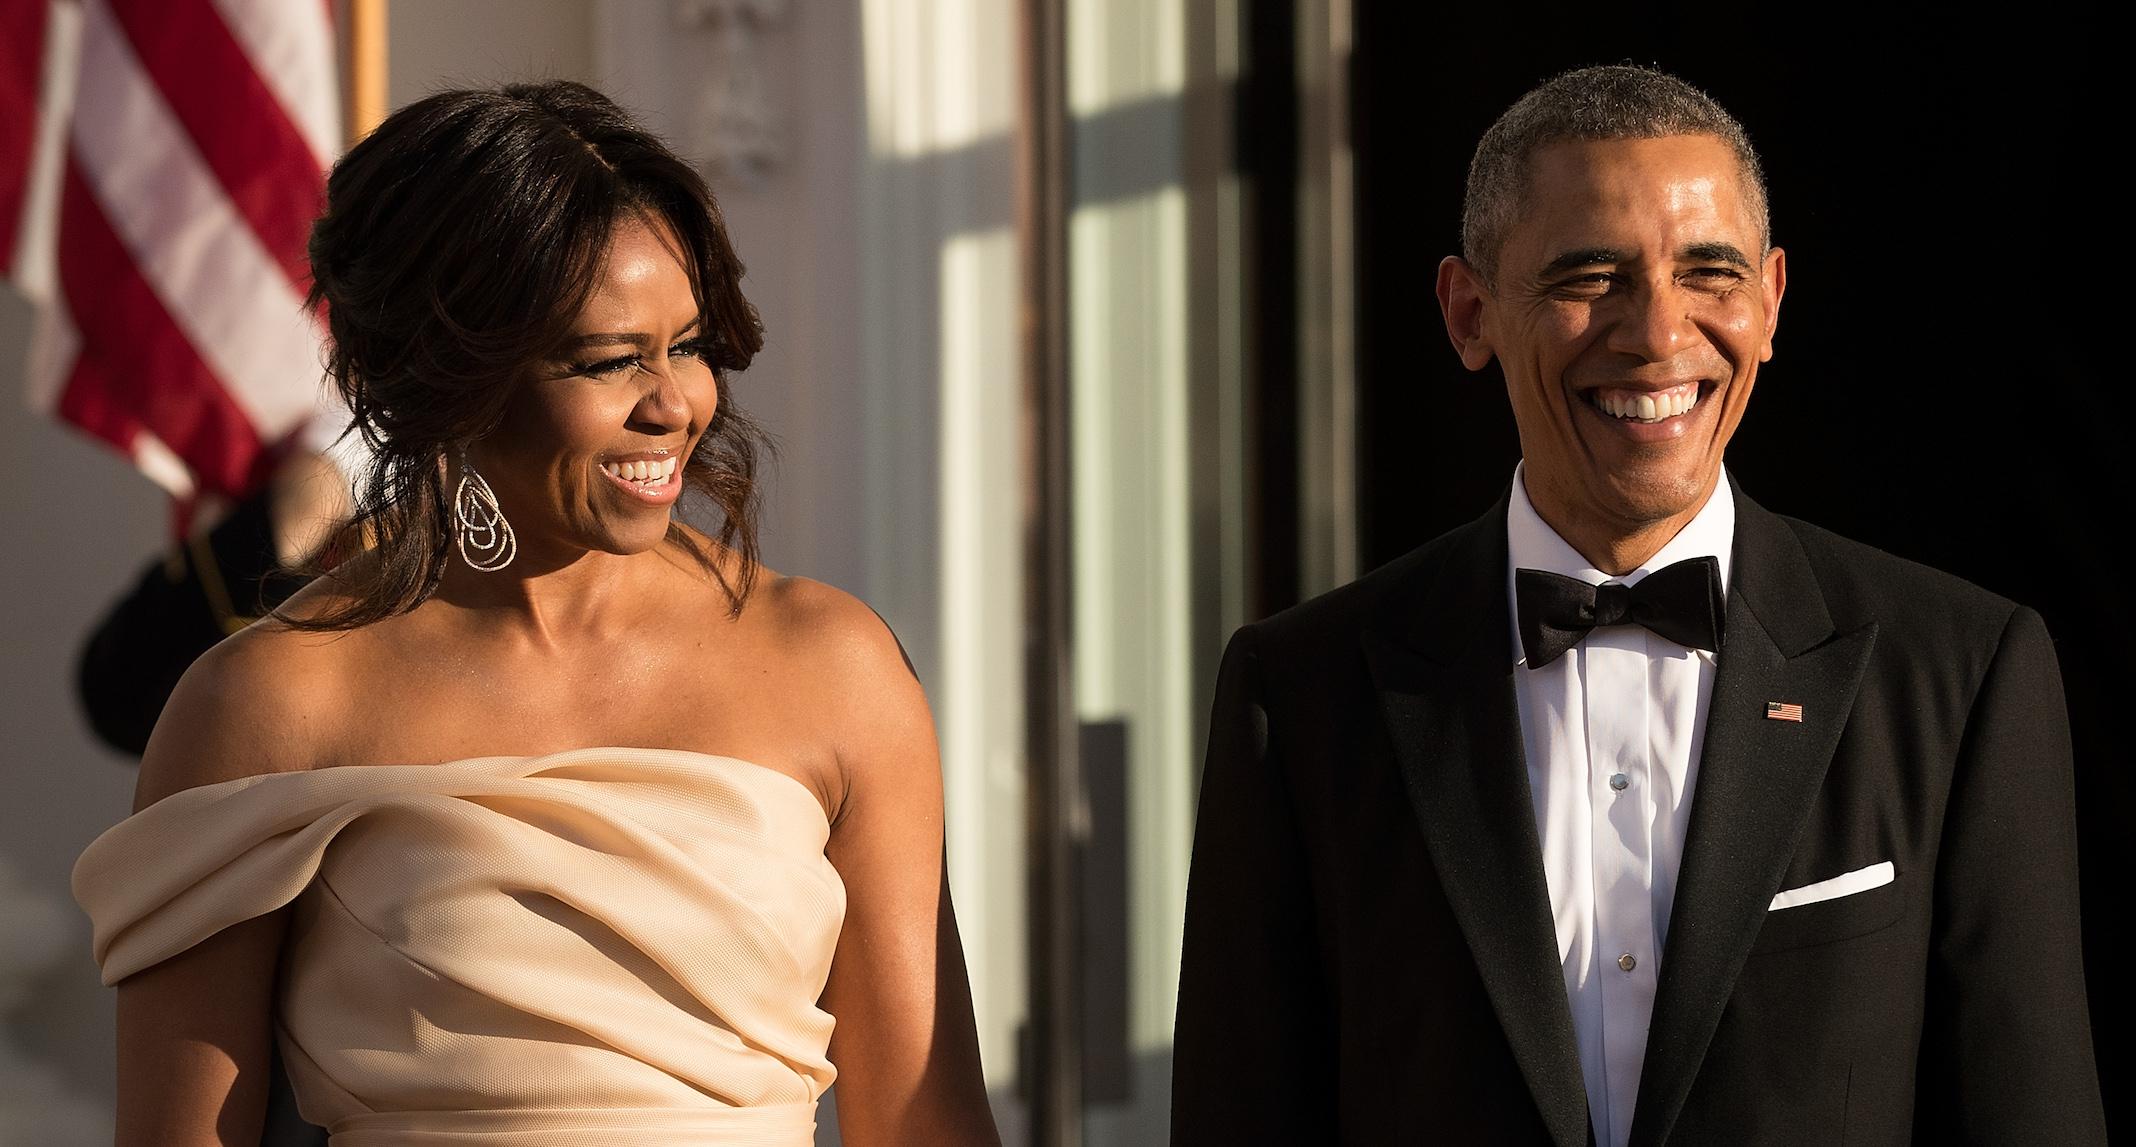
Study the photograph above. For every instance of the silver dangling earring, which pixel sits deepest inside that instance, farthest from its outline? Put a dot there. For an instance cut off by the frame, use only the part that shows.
(486, 540)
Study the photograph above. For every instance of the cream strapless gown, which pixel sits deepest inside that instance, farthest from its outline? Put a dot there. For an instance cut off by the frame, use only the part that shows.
(599, 947)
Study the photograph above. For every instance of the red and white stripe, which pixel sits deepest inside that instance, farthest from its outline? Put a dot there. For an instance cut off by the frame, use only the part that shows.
(22, 40)
(164, 242)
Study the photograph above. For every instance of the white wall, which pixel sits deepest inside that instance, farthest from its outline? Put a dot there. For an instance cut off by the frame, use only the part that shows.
(77, 523)
(796, 226)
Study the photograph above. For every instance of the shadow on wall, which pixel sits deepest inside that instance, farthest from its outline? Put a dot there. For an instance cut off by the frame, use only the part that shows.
(37, 1105)
(79, 524)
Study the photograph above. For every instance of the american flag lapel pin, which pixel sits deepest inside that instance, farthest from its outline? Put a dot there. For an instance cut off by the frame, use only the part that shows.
(1782, 711)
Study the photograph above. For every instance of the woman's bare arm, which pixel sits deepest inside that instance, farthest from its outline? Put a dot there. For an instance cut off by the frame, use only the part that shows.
(195, 1032)
(195, 1035)
(905, 1046)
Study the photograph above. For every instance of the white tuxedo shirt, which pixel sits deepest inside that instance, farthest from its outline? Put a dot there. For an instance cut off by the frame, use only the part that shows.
(1612, 732)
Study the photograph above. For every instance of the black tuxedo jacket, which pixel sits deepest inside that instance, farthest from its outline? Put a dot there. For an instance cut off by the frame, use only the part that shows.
(1369, 952)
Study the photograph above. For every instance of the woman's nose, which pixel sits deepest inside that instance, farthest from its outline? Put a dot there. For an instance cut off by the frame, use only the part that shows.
(663, 403)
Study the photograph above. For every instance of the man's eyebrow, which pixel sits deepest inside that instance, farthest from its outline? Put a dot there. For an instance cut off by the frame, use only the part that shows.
(1583, 257)
(1717, 253)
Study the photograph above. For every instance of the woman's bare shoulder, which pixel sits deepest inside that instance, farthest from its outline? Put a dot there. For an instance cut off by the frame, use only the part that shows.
(812, 626)
(849, 676)
(266, 699)
(832, 633)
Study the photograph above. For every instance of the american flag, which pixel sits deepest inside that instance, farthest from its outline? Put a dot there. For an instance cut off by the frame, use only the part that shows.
(160, 165)
(1782, 711)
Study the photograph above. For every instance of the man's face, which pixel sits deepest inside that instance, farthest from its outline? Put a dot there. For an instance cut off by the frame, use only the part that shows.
(1633, 304)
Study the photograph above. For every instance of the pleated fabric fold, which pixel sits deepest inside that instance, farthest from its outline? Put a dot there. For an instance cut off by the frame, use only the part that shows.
(591, 947)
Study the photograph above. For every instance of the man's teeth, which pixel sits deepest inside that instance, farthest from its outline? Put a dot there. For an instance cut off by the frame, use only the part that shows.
(650, 473)
(1647, 407)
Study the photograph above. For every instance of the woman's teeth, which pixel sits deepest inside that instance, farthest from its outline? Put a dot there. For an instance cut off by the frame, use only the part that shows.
(649, 473)
(1652, 406)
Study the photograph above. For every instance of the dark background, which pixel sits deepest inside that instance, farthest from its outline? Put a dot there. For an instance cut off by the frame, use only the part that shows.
(1946, 384)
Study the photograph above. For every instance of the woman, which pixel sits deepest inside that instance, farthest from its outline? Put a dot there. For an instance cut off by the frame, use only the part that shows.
(545, 818)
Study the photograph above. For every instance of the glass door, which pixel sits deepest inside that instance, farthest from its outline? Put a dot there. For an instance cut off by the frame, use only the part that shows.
(1156, 451)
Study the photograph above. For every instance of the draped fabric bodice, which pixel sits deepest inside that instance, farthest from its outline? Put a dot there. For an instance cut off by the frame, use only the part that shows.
(602, 946)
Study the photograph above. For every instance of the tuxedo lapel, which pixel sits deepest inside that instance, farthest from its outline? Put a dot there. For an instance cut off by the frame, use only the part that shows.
(1757, 778)
(1443, 667)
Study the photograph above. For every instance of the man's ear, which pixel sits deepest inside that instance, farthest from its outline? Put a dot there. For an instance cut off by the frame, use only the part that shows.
(1774, 285)
(1462, 298)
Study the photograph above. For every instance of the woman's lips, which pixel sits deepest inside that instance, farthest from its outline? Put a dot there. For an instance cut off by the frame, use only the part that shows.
(654, 481)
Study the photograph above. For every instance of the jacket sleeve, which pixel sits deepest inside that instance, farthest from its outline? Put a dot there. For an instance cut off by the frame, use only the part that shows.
(2006, 1051)
(1254, 1058)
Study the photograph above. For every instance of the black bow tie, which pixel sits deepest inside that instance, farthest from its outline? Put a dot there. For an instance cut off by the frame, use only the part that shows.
(1681, 602)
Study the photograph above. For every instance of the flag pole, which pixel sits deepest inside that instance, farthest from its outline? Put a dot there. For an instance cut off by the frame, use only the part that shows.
(362, 110)
(366, 103)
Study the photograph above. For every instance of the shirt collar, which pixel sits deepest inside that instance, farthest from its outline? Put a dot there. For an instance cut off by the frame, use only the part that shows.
(1532, 544)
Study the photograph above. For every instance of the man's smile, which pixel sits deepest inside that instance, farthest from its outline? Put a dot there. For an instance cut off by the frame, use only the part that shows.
(1648, 414)
(1644, 405)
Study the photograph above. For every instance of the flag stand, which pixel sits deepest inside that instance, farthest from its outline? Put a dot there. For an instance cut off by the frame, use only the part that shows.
(366, 104)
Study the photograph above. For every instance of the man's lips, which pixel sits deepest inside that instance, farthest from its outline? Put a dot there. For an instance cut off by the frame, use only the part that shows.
(1647, 414)
(1645, 404)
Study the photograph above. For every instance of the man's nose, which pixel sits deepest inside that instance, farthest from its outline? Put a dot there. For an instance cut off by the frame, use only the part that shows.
(1655, 323)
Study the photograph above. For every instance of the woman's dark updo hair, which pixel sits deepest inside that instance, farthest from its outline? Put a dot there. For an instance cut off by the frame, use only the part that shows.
(460, 241)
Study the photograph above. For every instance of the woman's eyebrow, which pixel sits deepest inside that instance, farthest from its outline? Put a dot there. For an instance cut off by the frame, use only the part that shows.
(598, 338)
(630, 338)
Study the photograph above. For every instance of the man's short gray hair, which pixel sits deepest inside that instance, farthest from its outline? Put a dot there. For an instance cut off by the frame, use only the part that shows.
(1615, 101)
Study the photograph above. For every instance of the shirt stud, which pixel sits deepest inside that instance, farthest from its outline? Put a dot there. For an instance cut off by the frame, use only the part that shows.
(1619, 781)
(1627, 961)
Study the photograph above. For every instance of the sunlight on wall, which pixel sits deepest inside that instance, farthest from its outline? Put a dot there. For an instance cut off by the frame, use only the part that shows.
(1155, 438)
(941, 348)
(1124, 51)
(929, 86)
(980, 706)
(1132, 555)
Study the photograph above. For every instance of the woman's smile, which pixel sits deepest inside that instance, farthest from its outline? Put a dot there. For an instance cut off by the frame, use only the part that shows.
(652, 478)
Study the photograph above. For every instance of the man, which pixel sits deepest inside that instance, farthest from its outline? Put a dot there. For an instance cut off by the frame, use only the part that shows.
(1777, 847)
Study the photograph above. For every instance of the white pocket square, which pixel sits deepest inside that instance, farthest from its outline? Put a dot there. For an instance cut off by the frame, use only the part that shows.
(1846, 884)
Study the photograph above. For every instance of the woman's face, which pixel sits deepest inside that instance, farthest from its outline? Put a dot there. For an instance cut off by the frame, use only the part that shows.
(590, 453)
